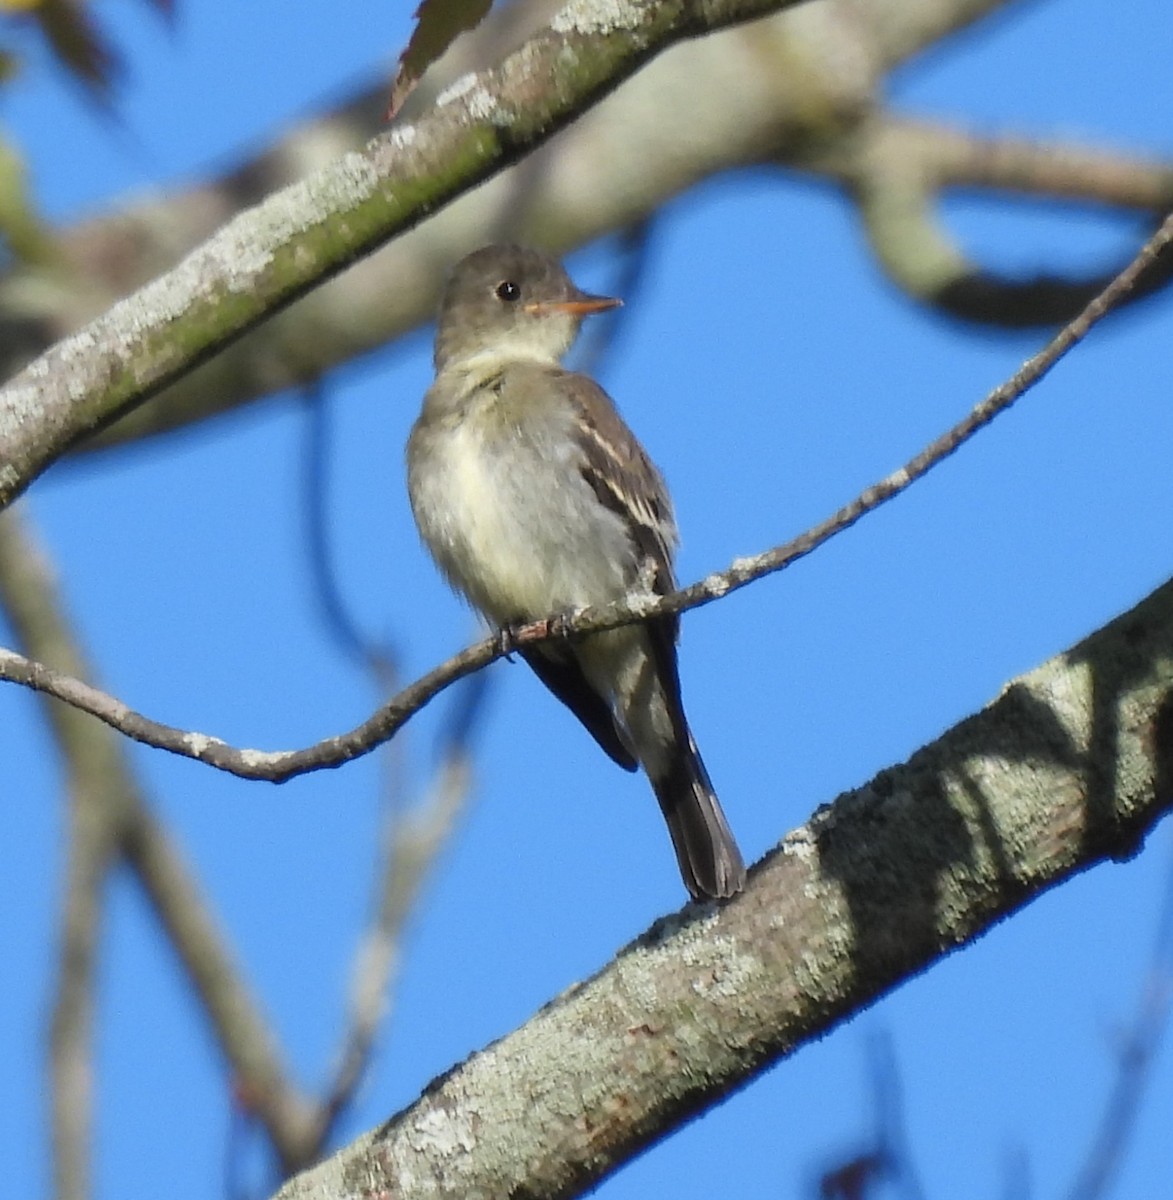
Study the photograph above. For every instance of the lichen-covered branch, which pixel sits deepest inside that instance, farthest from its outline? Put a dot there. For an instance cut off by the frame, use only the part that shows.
(1070, 766)
(800, 88)
(267, 257)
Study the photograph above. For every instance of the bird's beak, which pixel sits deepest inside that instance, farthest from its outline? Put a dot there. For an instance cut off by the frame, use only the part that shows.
(581, 306)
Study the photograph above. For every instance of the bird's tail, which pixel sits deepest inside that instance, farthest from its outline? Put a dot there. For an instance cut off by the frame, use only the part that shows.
(710, 862)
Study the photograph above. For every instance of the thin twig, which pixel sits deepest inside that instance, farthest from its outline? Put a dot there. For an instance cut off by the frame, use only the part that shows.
(376, 658)
(1137, 1052)
(71, 1066)
(891, 1122)
(245, 1037)
(281, 765)
(417, 845)
(412, 842)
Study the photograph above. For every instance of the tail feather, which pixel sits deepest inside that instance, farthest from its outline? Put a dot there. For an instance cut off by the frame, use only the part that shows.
(710, 862)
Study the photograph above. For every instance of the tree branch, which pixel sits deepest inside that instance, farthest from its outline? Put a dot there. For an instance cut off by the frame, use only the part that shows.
(898, 169)
(789, 78)
(1137, 1049)
(1071, 765)
(266, 258)
(798, 88)
(113, 817)
(414, 846)
(277, 766)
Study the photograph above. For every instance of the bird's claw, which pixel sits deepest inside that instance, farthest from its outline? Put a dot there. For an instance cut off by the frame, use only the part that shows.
(559, 624)
(507, 638)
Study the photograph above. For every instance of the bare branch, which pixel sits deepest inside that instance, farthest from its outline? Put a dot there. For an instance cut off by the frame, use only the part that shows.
(901, 28)
(897, 169)
(415, 846)
(1070, 766)
(277, 766)
(1136, 1055)
(377, 659)
(800, 88)
(244, 1035)
(112, 816)
(71, 1066)
(87, 751)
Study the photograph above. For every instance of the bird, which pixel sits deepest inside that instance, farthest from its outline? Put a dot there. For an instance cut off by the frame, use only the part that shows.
(535, 499)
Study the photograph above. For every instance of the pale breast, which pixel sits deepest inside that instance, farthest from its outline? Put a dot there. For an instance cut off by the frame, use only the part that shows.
(506, 513)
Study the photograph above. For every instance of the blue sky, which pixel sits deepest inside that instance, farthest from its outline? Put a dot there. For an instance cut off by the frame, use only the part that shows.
(772, 373)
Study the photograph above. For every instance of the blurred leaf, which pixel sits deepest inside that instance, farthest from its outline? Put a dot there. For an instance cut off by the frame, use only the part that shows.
(9, 65)
(438, 22)
(77, 40)
(20, 227)
(78, 43)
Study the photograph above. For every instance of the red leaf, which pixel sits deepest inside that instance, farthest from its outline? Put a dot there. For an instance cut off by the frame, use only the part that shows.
(438, 23)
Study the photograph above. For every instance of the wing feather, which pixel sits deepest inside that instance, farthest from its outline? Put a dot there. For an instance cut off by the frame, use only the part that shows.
(624, 479)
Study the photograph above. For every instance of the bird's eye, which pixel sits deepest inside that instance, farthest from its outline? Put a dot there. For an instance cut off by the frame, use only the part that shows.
(508, 291)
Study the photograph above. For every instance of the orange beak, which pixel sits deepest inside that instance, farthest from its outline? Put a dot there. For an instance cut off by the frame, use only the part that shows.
(582, 307)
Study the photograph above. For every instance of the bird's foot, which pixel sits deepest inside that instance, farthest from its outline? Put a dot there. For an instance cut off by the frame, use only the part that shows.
(507, 638)
(558, 626)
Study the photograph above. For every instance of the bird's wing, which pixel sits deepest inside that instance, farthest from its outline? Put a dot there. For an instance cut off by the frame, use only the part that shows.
(624, 478)
(564, 677)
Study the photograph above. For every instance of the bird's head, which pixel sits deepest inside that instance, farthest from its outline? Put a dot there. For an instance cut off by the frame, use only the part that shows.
(510, 302)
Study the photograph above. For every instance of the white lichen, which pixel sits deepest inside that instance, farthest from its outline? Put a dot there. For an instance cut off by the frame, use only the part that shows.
(456, 89)
(200, 743)
(258, 760)
(481, 104)
(595, 16)
(443, 1132)
(479, 101)
(401, 137)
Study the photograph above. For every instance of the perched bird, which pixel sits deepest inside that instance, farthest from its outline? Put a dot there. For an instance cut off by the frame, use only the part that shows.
(535, 499)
